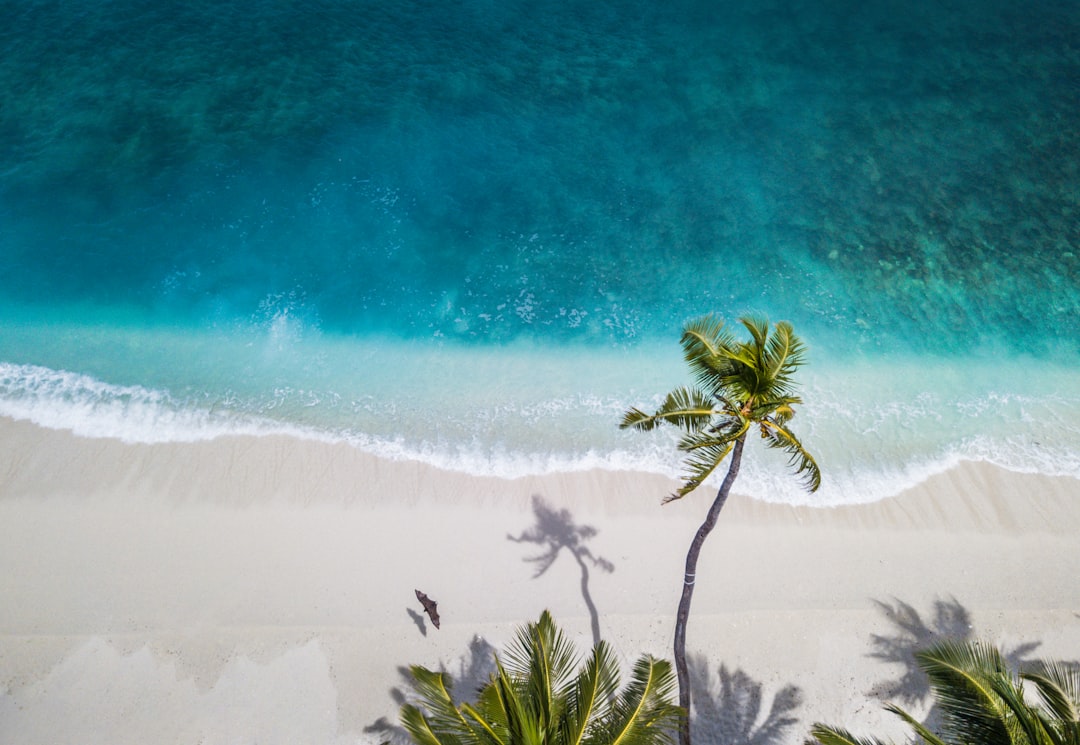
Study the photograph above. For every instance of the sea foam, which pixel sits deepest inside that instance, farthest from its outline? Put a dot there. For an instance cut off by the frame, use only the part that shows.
(89, 407)
(873, 429)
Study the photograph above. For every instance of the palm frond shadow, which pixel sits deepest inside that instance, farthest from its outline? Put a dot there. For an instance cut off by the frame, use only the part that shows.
(730, 709)
(555, 531)
(948, 619)
(474, 669)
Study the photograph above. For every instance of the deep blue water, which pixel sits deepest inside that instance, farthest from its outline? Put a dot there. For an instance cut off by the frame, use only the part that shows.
(470, 232)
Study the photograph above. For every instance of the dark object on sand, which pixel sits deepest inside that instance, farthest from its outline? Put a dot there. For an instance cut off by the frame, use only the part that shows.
(430, 607)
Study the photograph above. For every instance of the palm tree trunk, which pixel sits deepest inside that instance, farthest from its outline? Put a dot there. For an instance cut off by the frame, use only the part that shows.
(688, 587)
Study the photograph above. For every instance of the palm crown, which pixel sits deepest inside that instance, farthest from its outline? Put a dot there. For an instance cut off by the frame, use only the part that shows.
(740, 385)
(983, 701)
(536, 698)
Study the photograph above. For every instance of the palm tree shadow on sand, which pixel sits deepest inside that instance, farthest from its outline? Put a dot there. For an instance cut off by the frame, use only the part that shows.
(473, 671)
(948, 619)
(729, 709)
(554, 532)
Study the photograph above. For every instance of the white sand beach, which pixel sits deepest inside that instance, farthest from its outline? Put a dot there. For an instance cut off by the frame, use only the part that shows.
(250, 590)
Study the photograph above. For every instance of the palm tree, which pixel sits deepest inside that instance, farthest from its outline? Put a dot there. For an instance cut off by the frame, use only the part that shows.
(740, 385)
(535, 698)
(981, 701)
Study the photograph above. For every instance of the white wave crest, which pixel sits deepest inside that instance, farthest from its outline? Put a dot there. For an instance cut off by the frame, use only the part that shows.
(88, 407)
(869, 447)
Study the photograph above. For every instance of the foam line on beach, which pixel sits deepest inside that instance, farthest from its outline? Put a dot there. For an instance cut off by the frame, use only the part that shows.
(875, 430)
(264, 470)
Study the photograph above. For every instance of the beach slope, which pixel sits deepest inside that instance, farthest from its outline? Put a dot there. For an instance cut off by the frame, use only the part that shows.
(262, 589)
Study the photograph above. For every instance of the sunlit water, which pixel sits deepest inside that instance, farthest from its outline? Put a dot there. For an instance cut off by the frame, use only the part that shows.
(469, 233)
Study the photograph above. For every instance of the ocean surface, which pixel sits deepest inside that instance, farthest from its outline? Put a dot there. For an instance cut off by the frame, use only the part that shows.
(469, 233)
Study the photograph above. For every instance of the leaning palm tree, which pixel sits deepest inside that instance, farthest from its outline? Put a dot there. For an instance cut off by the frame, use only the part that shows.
(982, 701)
(741, 385)
(534, 697)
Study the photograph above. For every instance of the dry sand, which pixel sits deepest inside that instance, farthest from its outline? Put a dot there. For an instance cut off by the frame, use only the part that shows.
(261, 589)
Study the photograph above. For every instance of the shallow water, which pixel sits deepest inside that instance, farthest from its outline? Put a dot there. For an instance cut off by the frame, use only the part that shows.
(471, 233)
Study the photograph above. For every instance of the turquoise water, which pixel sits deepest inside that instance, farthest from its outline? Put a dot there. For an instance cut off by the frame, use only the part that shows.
(469, 233)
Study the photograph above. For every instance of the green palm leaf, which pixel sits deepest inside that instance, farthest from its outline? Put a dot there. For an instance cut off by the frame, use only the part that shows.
(492, 726)
(781, 438)
(1059, 688)
(512, 709)
(643, 714)
(543, 657)
(443, 716)
(920, 729)
(783, 354)
(758, 328)
(686, 408)
(491, 711)
(525, 722)
(705, 344)
(1024, 719)
(707, 451)
(780, 409)
(982, 703)
(421, 732)
(768, 405)
(590, 694)
(960, 678)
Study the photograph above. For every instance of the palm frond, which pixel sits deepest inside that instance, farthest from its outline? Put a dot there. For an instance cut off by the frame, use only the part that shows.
(746, 380)
(727, 428)
(442, 715)
(706, 343)
(590, 694)
(644, 714)
(1025, 718)
(960, 678)
(782, 355)
(421, 732)
(826, 735)
(758, 328)
(705, 337)
(511, 710)
(744, 362)
(542, 658)
(1058, 686)
(638, 419)
(707, 450)
(779, 408)
(920, 729)
(781, 438)
(727, 406)
(781, 414)
(687, 408)
(491, 712)
(981, 701)
(525, 722)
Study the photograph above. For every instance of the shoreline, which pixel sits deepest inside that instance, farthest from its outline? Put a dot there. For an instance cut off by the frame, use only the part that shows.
(246, 469)
(262, 587)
